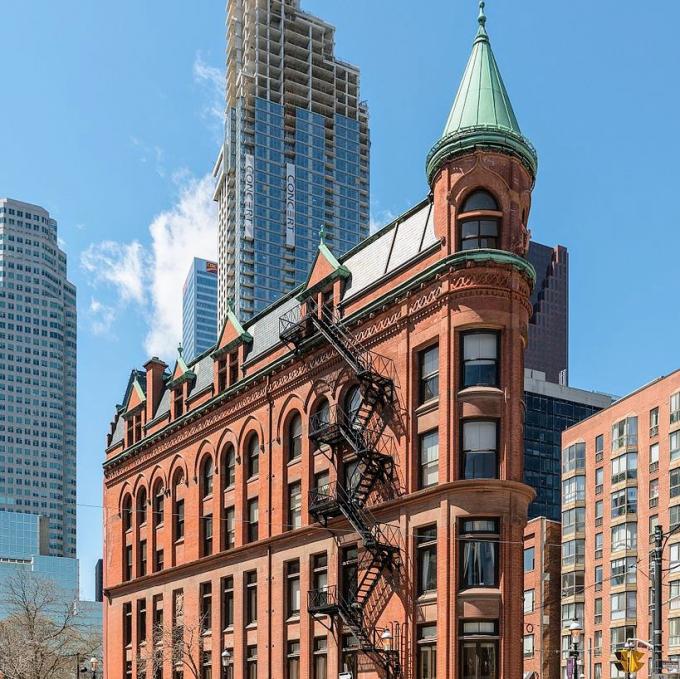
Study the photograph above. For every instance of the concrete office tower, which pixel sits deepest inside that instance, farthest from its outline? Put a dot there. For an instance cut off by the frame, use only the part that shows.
(37, 373)
(199, 308)
(548, 348)
(295, 156)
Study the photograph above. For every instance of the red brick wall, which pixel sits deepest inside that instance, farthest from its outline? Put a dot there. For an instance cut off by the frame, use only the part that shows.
(485, 295)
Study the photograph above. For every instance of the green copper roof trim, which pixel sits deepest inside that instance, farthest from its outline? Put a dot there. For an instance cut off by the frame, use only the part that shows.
(490, 139)
(243, 336)
(482, 115)
(457, 260)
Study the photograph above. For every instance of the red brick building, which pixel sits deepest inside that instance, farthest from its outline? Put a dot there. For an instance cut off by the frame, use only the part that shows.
(621, 477)
(541, 635)
(337, 486)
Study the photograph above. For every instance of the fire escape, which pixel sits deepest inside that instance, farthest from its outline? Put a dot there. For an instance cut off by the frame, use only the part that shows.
(359, 434)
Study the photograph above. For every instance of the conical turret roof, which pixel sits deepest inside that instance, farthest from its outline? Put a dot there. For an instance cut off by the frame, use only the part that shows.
(482, 115)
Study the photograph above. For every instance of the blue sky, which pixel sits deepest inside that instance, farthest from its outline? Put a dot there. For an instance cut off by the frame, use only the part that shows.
(111, 120)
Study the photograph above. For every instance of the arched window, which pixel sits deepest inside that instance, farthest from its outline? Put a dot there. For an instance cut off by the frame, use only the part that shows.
(253, 456)
(158, 505)
(479, 230)
(127, 513)
(207, 470)
(229, 467)
(294, 441)
(353, 401)
(141, 506)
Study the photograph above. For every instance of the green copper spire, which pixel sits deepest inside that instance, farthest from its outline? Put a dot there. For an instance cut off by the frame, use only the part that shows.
(482, 115)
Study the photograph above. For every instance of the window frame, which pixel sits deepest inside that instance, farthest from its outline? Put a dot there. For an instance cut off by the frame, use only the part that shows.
(463, 362)
(464, 453)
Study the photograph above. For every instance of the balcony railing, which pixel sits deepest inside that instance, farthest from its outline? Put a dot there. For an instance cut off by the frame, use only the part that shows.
(322, 600)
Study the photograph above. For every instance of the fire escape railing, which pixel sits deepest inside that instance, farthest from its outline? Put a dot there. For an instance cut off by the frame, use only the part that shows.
(361, 434)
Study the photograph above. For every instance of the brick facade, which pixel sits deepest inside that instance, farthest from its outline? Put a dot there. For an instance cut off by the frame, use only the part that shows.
(542, 599)
(621, 471)
(172, 425)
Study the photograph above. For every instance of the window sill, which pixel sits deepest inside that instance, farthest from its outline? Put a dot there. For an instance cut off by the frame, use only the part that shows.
(294, 461)
(293, 618)
(207, 498)
(481, 390)
(253, 478)
(228, 629)
(428, 406)
(252, 625)
(179, 541)
(427, 597)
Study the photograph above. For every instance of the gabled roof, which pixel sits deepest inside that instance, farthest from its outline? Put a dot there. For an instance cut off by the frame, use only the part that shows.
(181, 372)
(325, 268)
(385, 252)
(134, 392)
(231, 335)
(482, 115)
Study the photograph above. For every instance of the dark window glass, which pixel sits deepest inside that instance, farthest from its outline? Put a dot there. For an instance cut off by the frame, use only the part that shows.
(229, 528)
(253, 520)
(295, 437)
(427, 652)
(127, 513)
(479, 650)
(127, 565)
(141, 621)
(349, 659)
(479, 233)
(179, 519)
(253, 456)
(251, 597)
(320, 658)
(349, 572)
(480, 457)
(353, 401)
(429, 374)
(206, 605)
(142, 558)
(479, 553)
(294, 505)
(127, 624)
(479, 200)
(480, 359)
(141, 506)
(207, 477)
(293, 660)
(293, 588)
(251, 662)
(207, 535)
(426, 550)
(227, 601)
(429, 459)
(229, 467)
(158, 507)
(159, 560)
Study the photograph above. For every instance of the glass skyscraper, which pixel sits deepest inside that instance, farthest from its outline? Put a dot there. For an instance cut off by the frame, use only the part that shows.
(550, 409)
(199, 308)
(296, 154)
(37, 374)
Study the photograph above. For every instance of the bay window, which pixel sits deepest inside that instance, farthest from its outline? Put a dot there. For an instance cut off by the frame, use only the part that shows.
(480, 359)
(479, 553)
(480, 449)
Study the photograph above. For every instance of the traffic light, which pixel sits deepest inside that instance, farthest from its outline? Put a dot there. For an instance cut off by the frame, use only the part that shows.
(629, 660)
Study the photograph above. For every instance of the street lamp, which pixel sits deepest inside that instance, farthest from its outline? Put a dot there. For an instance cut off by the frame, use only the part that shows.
(226, 661)
(386, 638)
(94, 663)
(575, 630)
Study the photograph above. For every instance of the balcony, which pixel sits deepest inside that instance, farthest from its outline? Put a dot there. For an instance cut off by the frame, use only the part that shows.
(323, 501)
(323, 601)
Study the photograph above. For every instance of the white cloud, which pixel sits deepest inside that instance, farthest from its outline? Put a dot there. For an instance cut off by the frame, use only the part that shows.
(101, 316)
(151, 278)
(118, 264)
(380, 218)
(187, 230)
(149, 153)
(212, 79)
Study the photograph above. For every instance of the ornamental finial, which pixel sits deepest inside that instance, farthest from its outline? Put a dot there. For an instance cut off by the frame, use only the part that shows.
(482, 17)
(180, 349)
(322, 232)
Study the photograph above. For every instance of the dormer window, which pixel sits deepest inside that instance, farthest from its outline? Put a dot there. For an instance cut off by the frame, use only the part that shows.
(233, 368)
(134, 427)
(178, 401)
(222, 374)
(479, 222)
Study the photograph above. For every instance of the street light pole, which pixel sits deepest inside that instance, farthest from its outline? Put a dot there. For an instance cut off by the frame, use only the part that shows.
(575, 629)
(657, 635)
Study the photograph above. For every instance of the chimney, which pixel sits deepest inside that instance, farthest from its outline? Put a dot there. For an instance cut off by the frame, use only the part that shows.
(155, 369)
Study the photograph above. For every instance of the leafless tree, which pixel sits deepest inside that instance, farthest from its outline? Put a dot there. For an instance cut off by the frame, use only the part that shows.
(180, 644)
(41, 638)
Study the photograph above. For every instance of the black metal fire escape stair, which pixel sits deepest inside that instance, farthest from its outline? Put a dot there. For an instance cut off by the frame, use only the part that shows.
(362, 432)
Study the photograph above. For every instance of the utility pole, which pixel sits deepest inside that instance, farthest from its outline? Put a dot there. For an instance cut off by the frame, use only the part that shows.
(657, 632)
